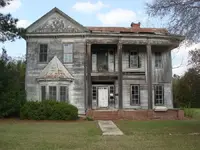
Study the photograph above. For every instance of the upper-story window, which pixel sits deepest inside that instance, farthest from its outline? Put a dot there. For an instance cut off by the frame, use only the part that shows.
(133, 59)
(43, 53)
(68, 53)
(158, 59)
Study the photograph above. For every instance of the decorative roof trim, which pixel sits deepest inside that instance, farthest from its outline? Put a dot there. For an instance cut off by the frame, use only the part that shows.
(62, 14)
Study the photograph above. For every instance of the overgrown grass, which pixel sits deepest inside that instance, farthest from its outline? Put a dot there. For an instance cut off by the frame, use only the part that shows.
(150, 135)
(189, 112)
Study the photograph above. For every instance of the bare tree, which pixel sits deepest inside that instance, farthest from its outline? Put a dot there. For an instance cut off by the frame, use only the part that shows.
(183, 16)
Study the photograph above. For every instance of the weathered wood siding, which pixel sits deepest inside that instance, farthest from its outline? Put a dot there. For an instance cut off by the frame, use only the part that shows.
(127, 94)
(164, 74)
(55, 47)
(142, 58)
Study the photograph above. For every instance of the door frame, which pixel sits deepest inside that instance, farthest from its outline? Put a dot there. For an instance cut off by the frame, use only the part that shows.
(108, 86)
(107, 91)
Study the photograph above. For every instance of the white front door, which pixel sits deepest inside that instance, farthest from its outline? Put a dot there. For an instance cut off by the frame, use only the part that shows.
(103, 96)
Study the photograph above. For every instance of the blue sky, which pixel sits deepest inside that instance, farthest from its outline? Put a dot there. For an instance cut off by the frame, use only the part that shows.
(87, 13)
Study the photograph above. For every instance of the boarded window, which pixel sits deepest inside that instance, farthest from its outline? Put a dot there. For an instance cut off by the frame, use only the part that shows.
(68, 53)
(133, 59)
(43, 53)
(63, 94)
(158, 60)
(52, 92)
(135, 94)
(159, 94)
(43, 93)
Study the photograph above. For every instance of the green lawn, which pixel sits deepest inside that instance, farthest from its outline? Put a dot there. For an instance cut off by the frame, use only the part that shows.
(197, 113)
(152, 135)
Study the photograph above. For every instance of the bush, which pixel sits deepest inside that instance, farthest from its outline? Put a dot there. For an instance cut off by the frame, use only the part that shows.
(48, 110)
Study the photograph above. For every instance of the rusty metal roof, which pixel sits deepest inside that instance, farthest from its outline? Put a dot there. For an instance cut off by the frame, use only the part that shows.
(129, 30)
(54, 70)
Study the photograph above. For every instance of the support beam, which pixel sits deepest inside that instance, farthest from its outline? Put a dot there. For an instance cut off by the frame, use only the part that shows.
(120, 96)
(149, 75)
(89, 81)
(85, 78)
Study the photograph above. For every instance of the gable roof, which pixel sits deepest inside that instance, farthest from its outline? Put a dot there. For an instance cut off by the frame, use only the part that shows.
(56, 10)
(55, 70)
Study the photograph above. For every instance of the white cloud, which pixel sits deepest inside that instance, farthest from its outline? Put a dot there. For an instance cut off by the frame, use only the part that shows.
(88, 7)
(23, 23)
(117, 17)
(14, 5)
(180, 58)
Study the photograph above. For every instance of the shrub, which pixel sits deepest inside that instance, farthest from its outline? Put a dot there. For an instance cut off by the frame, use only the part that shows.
(48, 110)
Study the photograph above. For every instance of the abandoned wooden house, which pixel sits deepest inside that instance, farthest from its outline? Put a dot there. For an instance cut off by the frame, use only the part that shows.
(99, 67)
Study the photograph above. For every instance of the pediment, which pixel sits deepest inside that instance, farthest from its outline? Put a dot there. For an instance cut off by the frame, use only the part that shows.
(55, 70)
(56, 21)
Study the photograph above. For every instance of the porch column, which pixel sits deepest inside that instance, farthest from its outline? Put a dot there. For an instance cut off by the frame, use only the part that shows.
(149, 75)
(89, 81)
(120, 96)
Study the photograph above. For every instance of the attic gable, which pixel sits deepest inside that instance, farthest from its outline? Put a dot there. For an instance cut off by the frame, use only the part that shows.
(56, 21)
(55, 70)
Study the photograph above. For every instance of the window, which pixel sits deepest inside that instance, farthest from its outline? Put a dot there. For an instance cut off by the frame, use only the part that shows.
(158, 60)
(43, 53)
(43, 92)
(135, 95)
(52, 92)
(112, 99)
(94, 93)
(63, 94)
(159, 94)
(68, 53)
(133, 59)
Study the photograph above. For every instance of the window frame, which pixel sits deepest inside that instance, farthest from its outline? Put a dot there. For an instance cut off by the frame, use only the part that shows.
(39, 60)
(67, 53)
(137, 56)
(159, 59)
(54, 92)
(131, 95)
(158, 94)
(66, 93)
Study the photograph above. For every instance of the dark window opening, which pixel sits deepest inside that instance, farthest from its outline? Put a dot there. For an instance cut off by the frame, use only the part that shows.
(43, 53)
(43, 93)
